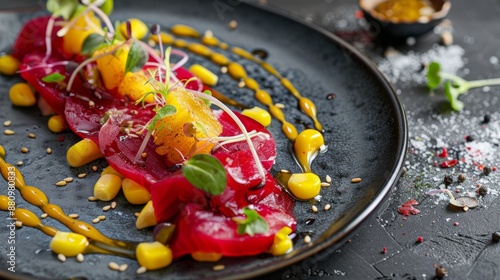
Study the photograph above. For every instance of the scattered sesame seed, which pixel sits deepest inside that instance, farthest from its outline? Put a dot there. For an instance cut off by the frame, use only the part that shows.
(44, 215)
(24, 150)
(323, 184)
(92, 198)
(91, 103)
(9, 132)
(82, 175)
(137, 214)
(106, 208)
(31, 135)
(7, 123)
(307, 239)
(113, 205)
(241, 84)
(144, 155)
(233, 24)
(49, 151)
(223, 69)
(94, 168)
(80, 257)
(314, 208)
(209, 34)
(123, 267)
(74, 216)
(284, 171)
(280, 105)
(218, 267)
(19, 163)
(61, 183)
(328, 179)
(19, 224)
(96, 220)
(68, 180)
(113, 266)
(355, 180)
(61, 257)
(102, 217)
(141, 270)
(327, 207)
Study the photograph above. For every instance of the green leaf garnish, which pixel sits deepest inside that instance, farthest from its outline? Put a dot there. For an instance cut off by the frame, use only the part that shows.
(253, 224)
(206, 173)
(92, 43)
(451, 93)
(62, 8)
(433, 78)
(55, 77)
(137, 57)
(165, 111)
(107, 7)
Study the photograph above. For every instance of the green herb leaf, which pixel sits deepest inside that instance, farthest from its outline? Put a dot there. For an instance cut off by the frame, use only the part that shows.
(92, 43)
(433, 77)
(206, 173)
(253, 224)
(165, 111)
(62, 8)
(107, 7)
(137, 57)
(55, 77)
(451, 93)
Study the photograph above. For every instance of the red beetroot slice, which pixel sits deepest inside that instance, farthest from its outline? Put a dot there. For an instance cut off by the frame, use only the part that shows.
(31, 38)
(200, 230)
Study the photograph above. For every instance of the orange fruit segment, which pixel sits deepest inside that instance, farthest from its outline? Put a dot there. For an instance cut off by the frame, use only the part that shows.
(76, 35)
(135, 85)
(112, 66)
(170, 135)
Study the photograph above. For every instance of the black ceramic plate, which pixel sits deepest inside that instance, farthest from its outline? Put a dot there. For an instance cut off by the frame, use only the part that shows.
(365, 130)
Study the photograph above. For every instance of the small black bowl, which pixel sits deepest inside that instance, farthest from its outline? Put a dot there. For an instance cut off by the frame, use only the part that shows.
(400, 29)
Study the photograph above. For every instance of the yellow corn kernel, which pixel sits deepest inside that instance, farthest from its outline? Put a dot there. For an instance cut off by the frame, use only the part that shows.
(138, 28)
(153, 255)
(68, 243)
(165, 38)
(304, 185)
(258, 114)
(8, 65)
(2, 152)
(135, 193)
(206, 257)
(82, 153)
(57, 124)
(21, 94)
(111, 170)
(206, 76)
(282, 243)
(107, 187)
(147, 217)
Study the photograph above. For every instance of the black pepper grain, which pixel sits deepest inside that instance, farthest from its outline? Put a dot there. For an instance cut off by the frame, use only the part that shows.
(486, 170)
(440, 272)
(486, 119)
(495, 236)
(448, 180)
(470, 138)
(331, 96)
(461, 178)
(483, 190)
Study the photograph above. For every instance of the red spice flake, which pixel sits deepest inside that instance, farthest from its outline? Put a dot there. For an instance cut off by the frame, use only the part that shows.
(359, 14)
(456, 224)
(457, 191)
(435, 163)
(449, 163)
(444, 153)
(420, 239)
(60, 138)
(480, 167)
(407, 208)
(494, 168)
(384, 250)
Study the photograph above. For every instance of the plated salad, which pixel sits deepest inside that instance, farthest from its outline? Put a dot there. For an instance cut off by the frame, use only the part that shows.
(201, 169)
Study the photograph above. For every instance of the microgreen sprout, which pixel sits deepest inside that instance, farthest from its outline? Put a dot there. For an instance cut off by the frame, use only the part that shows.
(253, 224)
(454, 85)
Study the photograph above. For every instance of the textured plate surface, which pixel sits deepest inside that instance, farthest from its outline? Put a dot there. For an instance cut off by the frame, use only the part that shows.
(365, 129)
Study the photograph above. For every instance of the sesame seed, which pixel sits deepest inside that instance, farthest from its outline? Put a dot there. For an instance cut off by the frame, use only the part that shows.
(24, 150)
(31, 135)
(96, 220)
(218, 267)
(137, 214)
(74, 216)
(328, 179)
(141, 270)
(7, 123)
(61, 183)
(61, 257)
(101, 217)
(94, 168)
(314, 208)
(92, 198)
(8, 132)
(82, 175)
(113, 205)
(241, 84)
(223, 69)
(19, 163)
(106, 208)
(233, 24)
(355, 180)
(123, 267)
(68, 180)
(19, 224)
(113, 266)
(284, 171)
(144, 155)
(44, 215)
(323, 184)
(327, 207)
(307, 239)
(280, 105)
(80, 257)
(49, 151)
(91, 103)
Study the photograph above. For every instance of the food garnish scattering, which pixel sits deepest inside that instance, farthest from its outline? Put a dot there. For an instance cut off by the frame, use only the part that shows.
(173, 144)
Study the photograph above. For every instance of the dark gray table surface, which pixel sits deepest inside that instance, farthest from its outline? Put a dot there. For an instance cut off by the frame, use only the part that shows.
(459, 241)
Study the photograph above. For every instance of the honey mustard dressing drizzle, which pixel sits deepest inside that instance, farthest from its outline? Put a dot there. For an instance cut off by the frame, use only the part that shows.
(310, 143)
(99, 243)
